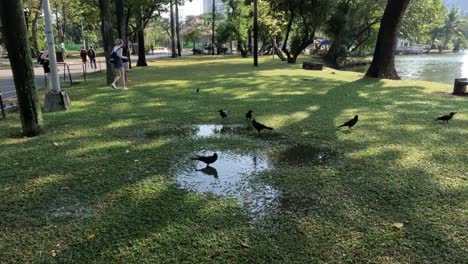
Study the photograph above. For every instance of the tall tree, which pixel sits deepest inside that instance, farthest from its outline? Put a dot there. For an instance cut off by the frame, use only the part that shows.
(352, 25)
(305, 18)
(143, 11)
(107, 38)
(19, 52)
(451, 28)
(255, 31)
(36, 14)
(238, 22)
(177, 28)
(173, 42)
(119, 8)
(383, 63)
(213, 28)
(141, 40)
(421, 18)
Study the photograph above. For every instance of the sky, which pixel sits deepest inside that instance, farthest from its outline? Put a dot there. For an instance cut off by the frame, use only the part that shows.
(193, 8)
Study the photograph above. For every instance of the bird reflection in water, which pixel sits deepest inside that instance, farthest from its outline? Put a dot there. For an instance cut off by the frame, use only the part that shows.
(210, 171)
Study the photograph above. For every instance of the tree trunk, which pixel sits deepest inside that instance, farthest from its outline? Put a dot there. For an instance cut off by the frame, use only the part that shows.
(127, 22)
(106, 31)
(119, 10)
(141, 47)
(255, 30)
(338, 49)
(276, 49)
(177, 28)
(383, 63)
(286, 39)
(249, 41)
(36, 13)
(19, 53)
(173, 42)
(213, 28)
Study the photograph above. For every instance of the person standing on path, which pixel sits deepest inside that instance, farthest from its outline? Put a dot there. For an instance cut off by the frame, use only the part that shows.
(126, 59)
(118, 66)
(44, 61)
(83, 55)
(92, 57)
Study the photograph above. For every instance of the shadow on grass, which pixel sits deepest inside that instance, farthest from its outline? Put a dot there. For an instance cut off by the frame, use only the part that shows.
(341, 211)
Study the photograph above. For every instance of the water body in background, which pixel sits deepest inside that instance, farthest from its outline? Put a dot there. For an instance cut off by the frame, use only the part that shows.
(444, 68)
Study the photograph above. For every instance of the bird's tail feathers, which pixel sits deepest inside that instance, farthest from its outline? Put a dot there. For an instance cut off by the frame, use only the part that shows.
(269, 128)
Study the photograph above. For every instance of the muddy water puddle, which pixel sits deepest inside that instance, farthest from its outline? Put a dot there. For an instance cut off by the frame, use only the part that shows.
(211, 130)
(236, 175)
(233, 175)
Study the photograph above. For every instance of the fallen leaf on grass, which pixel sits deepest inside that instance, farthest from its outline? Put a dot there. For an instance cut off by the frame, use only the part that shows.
(398, 225)
(245, 244)
(55, 143)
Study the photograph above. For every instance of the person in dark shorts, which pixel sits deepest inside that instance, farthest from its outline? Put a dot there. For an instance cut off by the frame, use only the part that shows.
(126, 59)
(92, 57)
(83, 55)
(118, 66)
(44, 61)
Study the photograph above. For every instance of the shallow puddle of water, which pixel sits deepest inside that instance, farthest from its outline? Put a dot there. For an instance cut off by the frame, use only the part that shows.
(70, 212)
(204, 131)
(233, 175)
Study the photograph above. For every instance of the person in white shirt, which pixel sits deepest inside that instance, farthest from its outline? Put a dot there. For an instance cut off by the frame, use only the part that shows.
(118, 66)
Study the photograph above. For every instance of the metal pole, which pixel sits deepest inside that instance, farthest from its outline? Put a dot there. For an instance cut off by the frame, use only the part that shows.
(51, 47)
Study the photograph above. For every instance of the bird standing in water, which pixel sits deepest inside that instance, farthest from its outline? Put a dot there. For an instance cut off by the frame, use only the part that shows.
(206, 159)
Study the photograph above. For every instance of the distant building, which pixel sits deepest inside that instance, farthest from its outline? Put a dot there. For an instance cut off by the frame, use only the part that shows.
(208, 6)
(460, 4)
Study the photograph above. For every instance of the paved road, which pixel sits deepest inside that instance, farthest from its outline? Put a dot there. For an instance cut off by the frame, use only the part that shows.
(7, 85)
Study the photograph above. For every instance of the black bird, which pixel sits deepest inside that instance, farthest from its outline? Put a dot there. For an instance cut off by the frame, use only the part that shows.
(351, 122)
(222, 113)
(198, 90)
(249, 114)
(259, 126)
(446, 118)
(207, 159)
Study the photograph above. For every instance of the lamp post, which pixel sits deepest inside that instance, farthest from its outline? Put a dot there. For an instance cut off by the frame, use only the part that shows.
(55, 98)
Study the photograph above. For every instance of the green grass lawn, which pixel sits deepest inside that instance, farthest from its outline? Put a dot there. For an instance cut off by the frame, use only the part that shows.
(94, 187)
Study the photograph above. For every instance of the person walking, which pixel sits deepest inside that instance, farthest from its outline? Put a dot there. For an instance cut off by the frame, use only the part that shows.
(83, 55)
(118, 66)
(126, 59)
(44, 61)
(92, 58)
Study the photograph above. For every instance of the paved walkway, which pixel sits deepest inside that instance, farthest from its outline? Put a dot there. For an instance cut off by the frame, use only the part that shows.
(7, 85)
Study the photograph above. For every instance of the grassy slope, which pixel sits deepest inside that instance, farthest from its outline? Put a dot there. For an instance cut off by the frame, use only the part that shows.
(75, 193)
